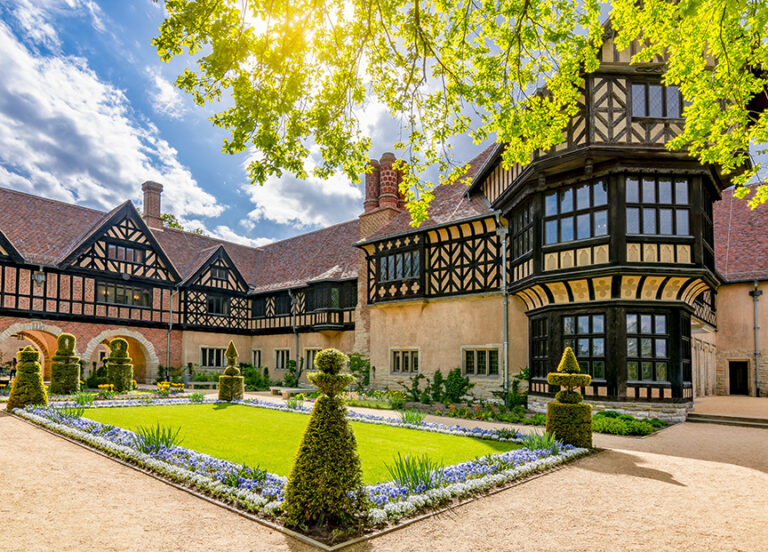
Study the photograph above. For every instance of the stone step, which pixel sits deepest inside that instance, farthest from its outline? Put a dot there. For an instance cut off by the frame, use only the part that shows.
(728, 420)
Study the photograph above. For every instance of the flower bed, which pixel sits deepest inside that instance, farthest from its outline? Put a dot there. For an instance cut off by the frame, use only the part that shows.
(263, 492)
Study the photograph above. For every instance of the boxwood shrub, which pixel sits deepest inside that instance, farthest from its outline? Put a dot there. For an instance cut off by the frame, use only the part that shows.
(27, 387)
(610, 421)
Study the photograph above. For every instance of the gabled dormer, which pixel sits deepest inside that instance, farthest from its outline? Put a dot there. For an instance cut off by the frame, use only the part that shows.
(218, 272)
(8, 251)
(121, 244)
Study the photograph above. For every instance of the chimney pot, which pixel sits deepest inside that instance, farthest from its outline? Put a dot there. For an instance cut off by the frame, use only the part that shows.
(152, 192)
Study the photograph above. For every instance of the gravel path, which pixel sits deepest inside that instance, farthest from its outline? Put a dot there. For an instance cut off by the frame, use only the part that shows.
(689, 487)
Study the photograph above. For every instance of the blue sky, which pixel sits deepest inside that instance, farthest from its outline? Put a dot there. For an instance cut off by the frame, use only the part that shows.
(88, 113)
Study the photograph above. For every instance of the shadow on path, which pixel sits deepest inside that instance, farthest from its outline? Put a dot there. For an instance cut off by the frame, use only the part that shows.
(622, 463)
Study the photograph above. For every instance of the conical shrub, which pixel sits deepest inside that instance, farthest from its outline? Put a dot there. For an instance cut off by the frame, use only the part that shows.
(65, 368)
(325, 488)
(27, 386)
(231, 384)
(119, 367)
(567, 418)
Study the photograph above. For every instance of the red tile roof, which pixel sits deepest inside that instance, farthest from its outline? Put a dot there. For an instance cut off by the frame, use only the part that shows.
(451, 203)
(44, 231)
(741, 239)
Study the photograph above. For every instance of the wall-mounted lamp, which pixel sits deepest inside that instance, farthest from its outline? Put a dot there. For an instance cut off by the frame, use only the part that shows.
(38, 277)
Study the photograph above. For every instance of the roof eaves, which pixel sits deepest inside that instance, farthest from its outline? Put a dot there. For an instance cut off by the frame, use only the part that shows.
(490, 214)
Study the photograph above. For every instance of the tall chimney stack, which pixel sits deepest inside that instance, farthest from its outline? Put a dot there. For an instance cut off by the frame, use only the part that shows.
(152, 191)
(388, 182)
(372, 187)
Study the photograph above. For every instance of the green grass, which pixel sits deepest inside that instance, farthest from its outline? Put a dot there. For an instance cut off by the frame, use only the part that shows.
(269, 439)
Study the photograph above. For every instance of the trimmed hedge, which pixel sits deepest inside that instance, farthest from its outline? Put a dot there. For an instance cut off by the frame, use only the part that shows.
(610, 421)
(568, 418)
(119, 367)
(570, 423)
(231, 384)
(566, 380)
(330, 361)
(27, 387)
(65, 368)
(325, 488)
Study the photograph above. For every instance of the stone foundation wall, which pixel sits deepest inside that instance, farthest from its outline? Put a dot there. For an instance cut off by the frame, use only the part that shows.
(670, 412)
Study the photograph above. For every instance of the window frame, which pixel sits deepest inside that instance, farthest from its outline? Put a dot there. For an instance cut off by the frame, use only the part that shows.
(654, 336)
(586, 363)
(642, 206)
(522, 225)
(387, 266)
(313, 351)
(665, 89)
(145, 292)
(575, 212)
(213, 299)
(539, 346)
(216, 272)
(399, 354)
(218, 352)
(262, 313)
(475, 351)
(277, 355)
(139, 254)
(254, 353)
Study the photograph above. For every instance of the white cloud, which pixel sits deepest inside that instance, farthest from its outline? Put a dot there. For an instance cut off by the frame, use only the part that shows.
(65, 133)
(225, 233)
(165, 98)
(34, 18)
(304, 203)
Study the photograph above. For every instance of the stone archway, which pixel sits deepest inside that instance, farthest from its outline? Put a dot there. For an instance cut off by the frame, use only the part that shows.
(42, 336)
(140, 349)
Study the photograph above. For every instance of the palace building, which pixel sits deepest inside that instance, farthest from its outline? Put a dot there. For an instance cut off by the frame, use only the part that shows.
(637, 257)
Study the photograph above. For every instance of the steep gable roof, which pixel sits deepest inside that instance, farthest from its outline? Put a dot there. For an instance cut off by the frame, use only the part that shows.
(741, 239)
(47, 232)
(43, 230)
(125, 213)
(7, 250)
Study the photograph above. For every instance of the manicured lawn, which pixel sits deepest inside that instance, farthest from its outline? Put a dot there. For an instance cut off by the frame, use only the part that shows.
(269, 438)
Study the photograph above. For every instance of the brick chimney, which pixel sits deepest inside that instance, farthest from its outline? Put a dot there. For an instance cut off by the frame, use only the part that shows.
(388, 182)
(152, 191)
(372, 187)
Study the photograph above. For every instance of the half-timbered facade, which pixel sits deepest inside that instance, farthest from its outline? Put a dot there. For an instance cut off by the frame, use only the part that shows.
(608, 243)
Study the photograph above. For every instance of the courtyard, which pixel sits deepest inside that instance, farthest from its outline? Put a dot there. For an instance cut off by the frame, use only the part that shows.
(687, 487)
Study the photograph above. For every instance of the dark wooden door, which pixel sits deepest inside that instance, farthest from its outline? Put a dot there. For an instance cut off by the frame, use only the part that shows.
(738, 376)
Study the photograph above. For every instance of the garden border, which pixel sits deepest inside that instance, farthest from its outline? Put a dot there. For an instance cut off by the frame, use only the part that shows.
(299, 536)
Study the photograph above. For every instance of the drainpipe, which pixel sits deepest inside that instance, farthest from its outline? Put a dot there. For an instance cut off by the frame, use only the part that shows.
(502, 231)
(168, 335)
(293, 324)
(756, 293)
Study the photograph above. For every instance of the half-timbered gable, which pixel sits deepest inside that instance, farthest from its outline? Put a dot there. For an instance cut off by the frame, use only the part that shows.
(218, 272)
(122, 245)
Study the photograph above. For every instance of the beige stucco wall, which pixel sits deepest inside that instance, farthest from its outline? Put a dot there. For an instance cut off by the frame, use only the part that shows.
(735, 333)
(439, 328)
(193, 341)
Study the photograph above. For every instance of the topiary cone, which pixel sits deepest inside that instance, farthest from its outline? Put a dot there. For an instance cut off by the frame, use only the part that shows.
(27, 387)
(65, 368)
(231, 384)
(119, 367)
(325, 487)
(567, 418)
